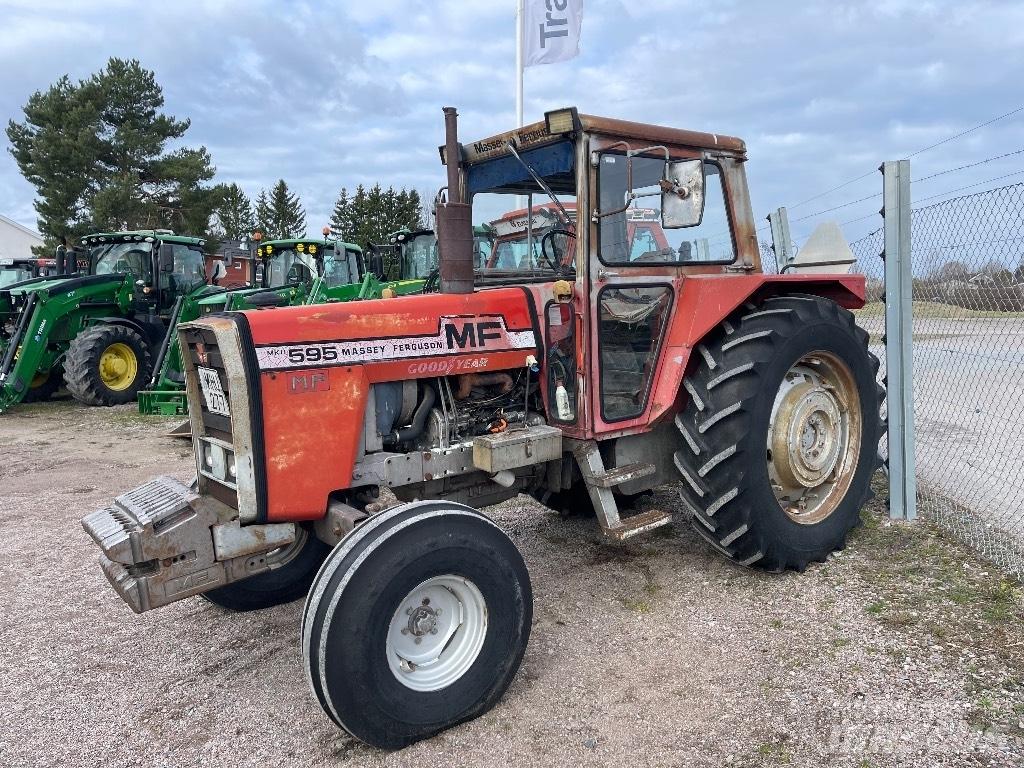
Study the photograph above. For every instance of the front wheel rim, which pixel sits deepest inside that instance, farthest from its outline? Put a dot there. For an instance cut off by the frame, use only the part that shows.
(436, 633)
(814, 437)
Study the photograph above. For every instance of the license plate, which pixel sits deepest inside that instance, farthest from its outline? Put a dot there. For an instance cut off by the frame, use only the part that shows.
(213, 392)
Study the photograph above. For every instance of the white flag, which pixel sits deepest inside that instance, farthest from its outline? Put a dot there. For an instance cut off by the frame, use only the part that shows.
(551, 30)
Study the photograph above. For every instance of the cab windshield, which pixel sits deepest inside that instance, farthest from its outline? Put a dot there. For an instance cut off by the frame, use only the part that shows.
(419, 256)
(513, 184)
(288, 267)
(125, 259)
(341, 268)
(11, 275)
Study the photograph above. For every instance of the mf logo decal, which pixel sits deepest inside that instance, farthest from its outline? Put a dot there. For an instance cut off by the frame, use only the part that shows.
(301, 383)
(455, 335)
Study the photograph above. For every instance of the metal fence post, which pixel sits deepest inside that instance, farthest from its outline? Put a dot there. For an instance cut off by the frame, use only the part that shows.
(782, 244)
(899, 353)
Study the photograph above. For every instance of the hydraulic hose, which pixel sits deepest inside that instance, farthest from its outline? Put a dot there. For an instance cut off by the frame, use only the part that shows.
(419, 419)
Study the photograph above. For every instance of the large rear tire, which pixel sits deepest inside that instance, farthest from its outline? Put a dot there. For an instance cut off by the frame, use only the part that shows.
(293, 569)
(107, 365)
(781, 433)
(417, 621)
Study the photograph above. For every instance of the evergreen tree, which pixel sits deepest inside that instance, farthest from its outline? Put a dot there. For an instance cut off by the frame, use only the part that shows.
(95, 152)
(234, 214)
(280, 214)
(369, 216)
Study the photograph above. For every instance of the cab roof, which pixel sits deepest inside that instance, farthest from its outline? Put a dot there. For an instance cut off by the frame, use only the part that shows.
(319, 242)
(140, 235)
(536, 134)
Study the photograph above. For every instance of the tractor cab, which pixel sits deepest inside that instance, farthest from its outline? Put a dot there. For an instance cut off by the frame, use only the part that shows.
(413, 254)
(162, 266)
(300, 261)
(18, 269)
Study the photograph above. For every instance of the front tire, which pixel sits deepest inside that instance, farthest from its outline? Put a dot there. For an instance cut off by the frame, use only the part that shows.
(417, 621)
(107, 365)
(293, 570)
(781, 433)
(45, 385)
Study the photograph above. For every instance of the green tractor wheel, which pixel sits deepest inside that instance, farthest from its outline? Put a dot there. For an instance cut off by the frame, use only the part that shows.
(107, 365)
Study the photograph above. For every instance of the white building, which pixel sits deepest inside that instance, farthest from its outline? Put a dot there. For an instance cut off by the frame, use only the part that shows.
(16, 239)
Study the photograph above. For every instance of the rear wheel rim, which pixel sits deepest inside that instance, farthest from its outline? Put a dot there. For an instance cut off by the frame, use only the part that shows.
(436, 633)
(814, 437)
(118, 366)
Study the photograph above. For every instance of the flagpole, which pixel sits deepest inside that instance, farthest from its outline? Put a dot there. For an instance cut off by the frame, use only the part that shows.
(519, 62)
(520, 9)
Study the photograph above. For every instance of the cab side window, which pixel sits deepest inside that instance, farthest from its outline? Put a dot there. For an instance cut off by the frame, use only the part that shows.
(189, 267)
(635, 235)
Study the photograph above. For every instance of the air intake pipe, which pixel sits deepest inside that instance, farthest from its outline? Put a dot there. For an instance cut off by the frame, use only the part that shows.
(454, 218)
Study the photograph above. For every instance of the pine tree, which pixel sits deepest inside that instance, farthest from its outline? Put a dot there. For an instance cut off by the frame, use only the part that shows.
(280, 214)
(234, 214)
(95, 152)
(369, 216)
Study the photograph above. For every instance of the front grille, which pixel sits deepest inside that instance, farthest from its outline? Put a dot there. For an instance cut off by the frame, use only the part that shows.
(203, 351)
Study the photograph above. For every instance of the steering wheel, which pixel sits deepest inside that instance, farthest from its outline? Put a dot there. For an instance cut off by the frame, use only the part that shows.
(549, 238)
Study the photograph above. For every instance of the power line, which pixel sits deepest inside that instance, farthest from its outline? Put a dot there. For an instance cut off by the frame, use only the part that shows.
(968, 186)
(830, 191)
(969, 130)
(913, 154)
(837, 207)
(969, 165)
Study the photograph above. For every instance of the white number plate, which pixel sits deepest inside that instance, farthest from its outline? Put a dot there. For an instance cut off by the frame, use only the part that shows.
(213, 392)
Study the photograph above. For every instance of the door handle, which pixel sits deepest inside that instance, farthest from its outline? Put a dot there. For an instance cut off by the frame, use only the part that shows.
(603, 275)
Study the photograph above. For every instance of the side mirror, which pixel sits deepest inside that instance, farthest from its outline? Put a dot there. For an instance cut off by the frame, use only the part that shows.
(220, 271)
(682, 194)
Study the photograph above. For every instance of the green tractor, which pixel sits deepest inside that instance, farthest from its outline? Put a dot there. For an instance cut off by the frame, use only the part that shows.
(96, 332)
(289, 272)
(413, 252)
(18, 269)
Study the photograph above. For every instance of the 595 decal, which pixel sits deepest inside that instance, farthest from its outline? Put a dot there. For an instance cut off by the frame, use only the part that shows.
(315, 354)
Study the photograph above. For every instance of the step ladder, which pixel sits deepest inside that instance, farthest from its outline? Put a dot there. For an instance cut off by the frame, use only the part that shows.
(600, 481)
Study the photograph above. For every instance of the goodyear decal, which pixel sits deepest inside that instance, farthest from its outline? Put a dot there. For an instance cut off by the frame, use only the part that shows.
(455, 336)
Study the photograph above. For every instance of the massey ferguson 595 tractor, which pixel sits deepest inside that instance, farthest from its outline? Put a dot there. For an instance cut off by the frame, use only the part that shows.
(595, 374)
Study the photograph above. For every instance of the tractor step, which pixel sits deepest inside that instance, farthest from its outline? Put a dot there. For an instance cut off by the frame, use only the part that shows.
(163, 542)
(610, 478)
(637, 524)
(599, 483)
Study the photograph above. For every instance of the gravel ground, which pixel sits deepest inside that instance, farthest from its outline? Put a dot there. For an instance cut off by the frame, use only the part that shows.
(903, 650)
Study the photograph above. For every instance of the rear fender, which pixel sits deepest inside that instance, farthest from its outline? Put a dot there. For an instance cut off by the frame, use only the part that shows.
(704, 301)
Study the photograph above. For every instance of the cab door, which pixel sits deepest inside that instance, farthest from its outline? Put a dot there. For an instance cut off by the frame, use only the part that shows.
(637, 259)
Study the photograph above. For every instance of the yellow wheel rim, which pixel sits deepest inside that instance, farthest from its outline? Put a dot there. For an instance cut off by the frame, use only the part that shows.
(38, 380)
(118, 367)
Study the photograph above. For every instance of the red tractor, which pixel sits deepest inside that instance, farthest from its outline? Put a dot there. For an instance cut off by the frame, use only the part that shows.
(589, 377)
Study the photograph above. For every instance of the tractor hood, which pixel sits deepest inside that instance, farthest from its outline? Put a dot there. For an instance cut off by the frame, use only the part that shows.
(389, 331)
(51, 286)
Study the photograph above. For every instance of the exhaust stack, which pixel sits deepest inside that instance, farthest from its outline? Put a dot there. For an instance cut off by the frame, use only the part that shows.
(454, 219)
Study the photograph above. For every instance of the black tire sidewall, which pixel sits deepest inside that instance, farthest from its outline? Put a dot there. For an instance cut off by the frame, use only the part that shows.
(813, 539)
(370, 701)
(285, 584)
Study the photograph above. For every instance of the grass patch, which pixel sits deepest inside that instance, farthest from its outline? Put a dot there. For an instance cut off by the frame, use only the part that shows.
(934, 309)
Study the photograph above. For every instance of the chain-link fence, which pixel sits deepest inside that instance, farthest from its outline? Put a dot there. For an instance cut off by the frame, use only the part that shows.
(967, 265)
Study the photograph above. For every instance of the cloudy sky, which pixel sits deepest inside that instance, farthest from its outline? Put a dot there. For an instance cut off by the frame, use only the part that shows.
(331, 94)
